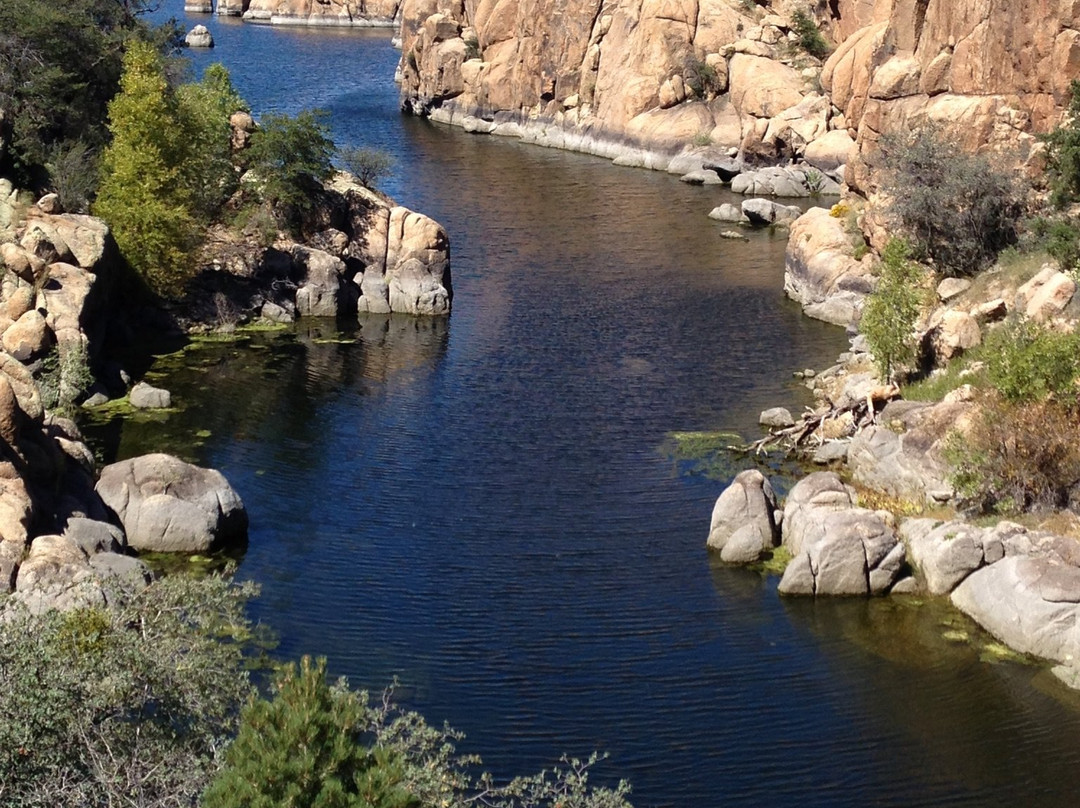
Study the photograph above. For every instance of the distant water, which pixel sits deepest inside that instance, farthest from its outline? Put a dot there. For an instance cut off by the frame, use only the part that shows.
(488, 506)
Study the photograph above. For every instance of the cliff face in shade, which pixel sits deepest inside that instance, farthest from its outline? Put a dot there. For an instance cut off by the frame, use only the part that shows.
(587, 74)
(337, 13)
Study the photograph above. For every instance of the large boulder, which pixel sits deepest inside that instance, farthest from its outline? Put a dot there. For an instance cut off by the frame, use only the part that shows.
(903, 456)
(743, 524)
(944, 554)
(320, 281)
(167, 505)
(56, 574)
(837, 548)
(1030, 604)
(820, 271)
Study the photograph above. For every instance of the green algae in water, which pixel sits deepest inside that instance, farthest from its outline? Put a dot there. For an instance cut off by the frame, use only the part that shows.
(720, 455)
(776, 562)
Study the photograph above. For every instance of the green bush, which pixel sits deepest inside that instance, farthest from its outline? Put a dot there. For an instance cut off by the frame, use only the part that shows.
(1016, 457)
(291, 156)
(60, 65)
(702, 78)
(305, 749)
(810, 38)
(369, 165)
(958, 210)
(1060, 238)
(888, 319)
(1063, 153)
(1026, 362)
(126, 706)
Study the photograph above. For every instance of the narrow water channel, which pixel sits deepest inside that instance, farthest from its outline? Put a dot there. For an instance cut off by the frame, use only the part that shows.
(489, 507)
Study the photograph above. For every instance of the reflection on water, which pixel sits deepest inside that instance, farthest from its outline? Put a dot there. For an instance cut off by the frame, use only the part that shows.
(488, 507)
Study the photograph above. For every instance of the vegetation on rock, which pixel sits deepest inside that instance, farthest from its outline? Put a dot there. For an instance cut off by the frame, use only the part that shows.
(958, 210)
(889, 317)
(290, 155)
(810, 38)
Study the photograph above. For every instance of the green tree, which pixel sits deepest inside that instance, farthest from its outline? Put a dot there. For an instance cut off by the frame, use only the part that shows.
(206, 169)
(305, 749)
(131, 705)
(291, 156)
(958, 210)
(1063, 153)
(60, 65)
(143, 195)
(888, 319)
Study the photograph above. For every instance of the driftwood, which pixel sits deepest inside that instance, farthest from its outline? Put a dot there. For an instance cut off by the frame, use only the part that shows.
(809, 429)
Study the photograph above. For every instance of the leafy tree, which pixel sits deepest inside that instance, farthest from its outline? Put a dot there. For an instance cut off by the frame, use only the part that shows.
(204, 109)
(305, 749)
(143, 196)
(131, 705)
(888, 319)
(290, 156)
(1063, 153)
(958, 210)
(60, 65)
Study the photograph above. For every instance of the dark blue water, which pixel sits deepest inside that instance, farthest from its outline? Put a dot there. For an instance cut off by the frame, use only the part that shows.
(488, 507)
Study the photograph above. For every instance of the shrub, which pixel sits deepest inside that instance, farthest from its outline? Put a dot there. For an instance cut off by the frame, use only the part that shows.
(702, 78)
(1016, 457)
(958, 209)
(127, 706)
(888, 319)
(1063, 153)
(1026, 362)
(290, 156)
(73, 174)
(65, 376)
(143, 195)
(810, 38)
(305, 747)
(368, 164)
(1060, 238)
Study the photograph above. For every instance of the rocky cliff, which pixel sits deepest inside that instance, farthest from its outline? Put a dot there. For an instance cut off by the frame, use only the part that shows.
(609, 76)
(340, 13)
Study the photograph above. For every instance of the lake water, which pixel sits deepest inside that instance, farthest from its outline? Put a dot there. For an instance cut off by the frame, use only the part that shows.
(490, 508)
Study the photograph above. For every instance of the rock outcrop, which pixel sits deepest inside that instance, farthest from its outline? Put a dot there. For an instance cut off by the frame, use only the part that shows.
(335, 13)
(637, 83)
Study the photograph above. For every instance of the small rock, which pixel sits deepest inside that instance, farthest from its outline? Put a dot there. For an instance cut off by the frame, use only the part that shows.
(733, 235)
(145, 397)
(727, 213)
(50, 204)
(702, 177)
(831, 451)
(951, 287)
(199, 37)
(776, 417)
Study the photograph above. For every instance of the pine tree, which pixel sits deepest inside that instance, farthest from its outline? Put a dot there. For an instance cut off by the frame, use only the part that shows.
(304, 749)
(142, 194)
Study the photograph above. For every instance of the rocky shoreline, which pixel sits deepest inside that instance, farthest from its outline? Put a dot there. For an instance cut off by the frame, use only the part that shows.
(322, 14)
(1021, 585)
